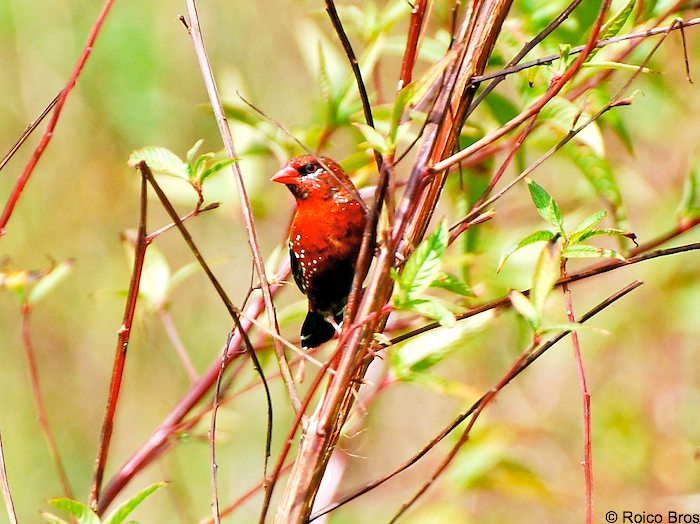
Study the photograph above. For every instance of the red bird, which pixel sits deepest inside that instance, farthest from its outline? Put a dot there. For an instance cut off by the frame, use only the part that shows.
(324, 240)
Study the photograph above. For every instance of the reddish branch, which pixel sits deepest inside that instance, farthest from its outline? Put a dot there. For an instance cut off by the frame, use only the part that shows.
(5, 487)
(120, 352)
(48, 133)
(39, 402)
(414, 31)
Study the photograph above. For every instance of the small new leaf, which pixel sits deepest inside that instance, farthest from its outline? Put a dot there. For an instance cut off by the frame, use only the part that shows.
(538, 236)
(525, 308)
(125, 509)
(433, 309)
(161, 161)
(689, 208)
(586, 224)
(546, 205)
(374, 138)
(452, 283)
(82, 513)
(49, 281)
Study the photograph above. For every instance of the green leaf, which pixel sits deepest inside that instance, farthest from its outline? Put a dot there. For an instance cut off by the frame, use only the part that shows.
(424, 351)
(400, 105)
(525, 308)
(50, 280)
(588, 251)
(215, 168)
(586, 224)
(374, 138)
(423, 266)
(563, 115)
(125, 509)
(452, 283)
(613, 26)
(53, 519)
(547, 272)
(689, 208)
(160, 160)
(192, 153)
(600, 175)
(82, 513)
(538, 236)
(610, 232)
(546, 205)
(607, 64)
(433, 309)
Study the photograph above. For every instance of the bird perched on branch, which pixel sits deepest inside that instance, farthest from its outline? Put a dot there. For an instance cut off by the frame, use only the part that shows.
(324, 240)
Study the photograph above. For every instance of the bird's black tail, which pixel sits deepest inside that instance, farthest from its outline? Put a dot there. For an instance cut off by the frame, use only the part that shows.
(316, 329)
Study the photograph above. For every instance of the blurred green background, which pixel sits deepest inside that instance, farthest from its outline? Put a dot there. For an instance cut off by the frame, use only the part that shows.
(141, 87)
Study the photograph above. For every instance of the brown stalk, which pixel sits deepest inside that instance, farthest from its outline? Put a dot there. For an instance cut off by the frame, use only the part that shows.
(248, 219)
(120, 352)
(414, 32)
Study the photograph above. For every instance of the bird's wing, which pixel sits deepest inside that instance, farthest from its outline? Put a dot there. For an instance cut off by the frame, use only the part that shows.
(296, 269)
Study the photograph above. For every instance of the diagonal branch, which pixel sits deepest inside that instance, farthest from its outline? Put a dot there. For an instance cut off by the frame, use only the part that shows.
(248, 219)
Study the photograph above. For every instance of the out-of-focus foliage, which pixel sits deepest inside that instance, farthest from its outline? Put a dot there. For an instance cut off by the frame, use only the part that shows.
(142, 87)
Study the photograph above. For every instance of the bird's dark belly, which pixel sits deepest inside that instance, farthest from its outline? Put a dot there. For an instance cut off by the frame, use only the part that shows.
(330, 284)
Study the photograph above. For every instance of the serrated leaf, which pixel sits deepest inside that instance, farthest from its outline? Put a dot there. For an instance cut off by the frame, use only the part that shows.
(547, 272)
(452, 283)
(423, 266)
(82, 513)
(160, 160)
(546, 205)
(538, 236)
(49, 281)
(433, 309)
(125, 509)
(525, 308)
(374, 138)
(588, 251)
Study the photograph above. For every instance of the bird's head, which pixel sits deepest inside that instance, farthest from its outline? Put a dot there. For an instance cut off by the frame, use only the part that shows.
(309, 177)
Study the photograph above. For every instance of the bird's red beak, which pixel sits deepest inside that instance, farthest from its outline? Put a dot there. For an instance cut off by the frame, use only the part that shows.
(286, 175)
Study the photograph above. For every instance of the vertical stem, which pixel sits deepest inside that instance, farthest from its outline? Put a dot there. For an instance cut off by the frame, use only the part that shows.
(120, 352)
(39, 402)
(586, 397)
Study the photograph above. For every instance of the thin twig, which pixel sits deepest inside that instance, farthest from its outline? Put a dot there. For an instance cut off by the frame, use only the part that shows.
(124, 335)
(248, 219)
(49, 132)
(216, 402)
(39, 402)
(5, 486)
(27, 132)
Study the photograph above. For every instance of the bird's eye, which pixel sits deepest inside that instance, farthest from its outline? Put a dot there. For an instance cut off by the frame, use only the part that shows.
(309, 169)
